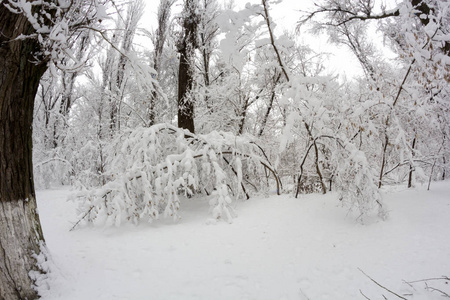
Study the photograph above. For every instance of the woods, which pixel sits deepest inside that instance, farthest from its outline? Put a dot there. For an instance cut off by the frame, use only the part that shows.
(221, 104)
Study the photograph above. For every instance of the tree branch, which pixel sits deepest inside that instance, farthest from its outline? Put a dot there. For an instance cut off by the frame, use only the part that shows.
(272, 40)
(383, 287)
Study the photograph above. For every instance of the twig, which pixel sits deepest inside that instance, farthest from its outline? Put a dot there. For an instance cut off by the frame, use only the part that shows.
(429, 279)
(272, 40)
(403, 82)
(409, 284)
(364, 295)
(383, 287)
(235, 173)
(430, 288)
(444, 294)
(303, 294)
(84, 216)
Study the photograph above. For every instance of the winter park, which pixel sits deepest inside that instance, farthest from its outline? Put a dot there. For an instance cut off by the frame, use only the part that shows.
(219, 149)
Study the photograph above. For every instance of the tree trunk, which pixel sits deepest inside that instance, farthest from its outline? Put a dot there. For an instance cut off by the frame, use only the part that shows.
(186, 48)
(164, 9)
(243, 115)
(316, 161)
(411, 167)
(443, 172)
(207, 81)
(270, 106)
(21, 237)
(383, 161)
(185, 103)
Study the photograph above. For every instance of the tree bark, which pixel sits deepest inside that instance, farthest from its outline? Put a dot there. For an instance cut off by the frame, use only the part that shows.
(411, 167)
(186, 48)
(383, 161)
(185, 103)
(21, 237)
(243, 114)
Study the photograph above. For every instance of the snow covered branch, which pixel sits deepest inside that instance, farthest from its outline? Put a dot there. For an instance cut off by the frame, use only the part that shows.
(151, 169)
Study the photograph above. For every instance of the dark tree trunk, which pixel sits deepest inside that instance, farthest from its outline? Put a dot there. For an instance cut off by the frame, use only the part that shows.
(411, 167)
(186, 48)
(443, 171)
(243, 115)
(185, 103)
(21, 236)
(383, 161)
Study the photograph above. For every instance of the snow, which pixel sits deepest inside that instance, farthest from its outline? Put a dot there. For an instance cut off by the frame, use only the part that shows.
(278, 248)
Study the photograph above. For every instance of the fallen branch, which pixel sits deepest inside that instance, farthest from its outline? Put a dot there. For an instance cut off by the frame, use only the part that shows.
(235, 173)
(381, 286)
(429, 279)
(82, 218)
(430, 288)
(364, 295)
(444, 294)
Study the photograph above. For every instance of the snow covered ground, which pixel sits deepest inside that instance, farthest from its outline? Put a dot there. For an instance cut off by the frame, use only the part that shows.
(278, 248)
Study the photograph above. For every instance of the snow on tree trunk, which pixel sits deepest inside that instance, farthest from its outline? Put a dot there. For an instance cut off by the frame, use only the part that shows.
(21, 238)
(21, 247)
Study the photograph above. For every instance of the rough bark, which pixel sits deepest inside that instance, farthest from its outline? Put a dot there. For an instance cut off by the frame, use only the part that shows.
(21, 237)
(185, 103)
(186, 48)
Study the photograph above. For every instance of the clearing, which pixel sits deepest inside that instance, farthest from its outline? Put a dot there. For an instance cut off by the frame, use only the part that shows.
(278, 247)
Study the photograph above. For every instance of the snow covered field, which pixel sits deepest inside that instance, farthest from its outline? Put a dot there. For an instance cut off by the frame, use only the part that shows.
(278, 248)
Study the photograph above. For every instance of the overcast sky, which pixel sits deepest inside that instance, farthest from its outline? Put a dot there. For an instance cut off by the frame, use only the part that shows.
(286, 14)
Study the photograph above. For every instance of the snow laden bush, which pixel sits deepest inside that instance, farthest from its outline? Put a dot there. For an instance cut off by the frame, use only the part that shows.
(356, 181)
(331, 134)
(152, 169)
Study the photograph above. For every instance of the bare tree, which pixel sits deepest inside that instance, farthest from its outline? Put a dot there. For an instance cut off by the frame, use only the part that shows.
(208, 31)
(283, 68)
(126, 30)
(164, 9)
(419, 48)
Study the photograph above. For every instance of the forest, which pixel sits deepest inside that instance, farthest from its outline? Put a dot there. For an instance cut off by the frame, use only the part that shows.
(218, 103)
(261, 110)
